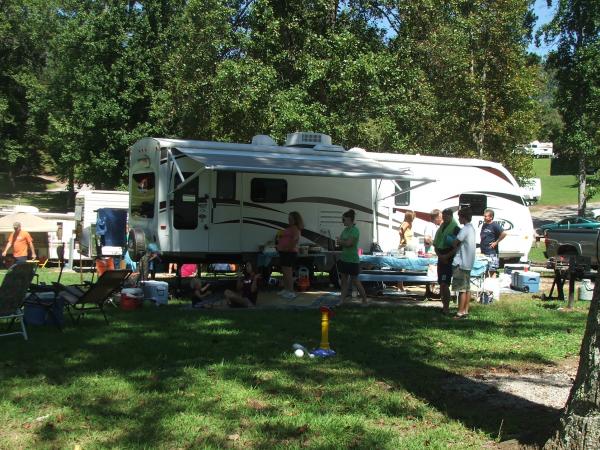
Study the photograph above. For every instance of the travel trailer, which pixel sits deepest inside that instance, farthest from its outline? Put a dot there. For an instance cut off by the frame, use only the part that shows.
(540, 149)
(87, 205)
(224, 202)
(460, 182)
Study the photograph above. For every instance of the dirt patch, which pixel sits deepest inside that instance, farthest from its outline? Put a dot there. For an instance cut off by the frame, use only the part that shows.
(527, 392)
(544, 385)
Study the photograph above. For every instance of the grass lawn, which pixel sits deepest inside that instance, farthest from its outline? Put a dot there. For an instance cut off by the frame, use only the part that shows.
(171, 377)
(556, 189)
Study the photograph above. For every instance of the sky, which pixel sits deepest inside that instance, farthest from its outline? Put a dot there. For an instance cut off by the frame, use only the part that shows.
(544, 14)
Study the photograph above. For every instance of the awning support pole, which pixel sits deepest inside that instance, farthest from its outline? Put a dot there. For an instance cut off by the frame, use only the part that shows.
(406, 190)
(184, 180)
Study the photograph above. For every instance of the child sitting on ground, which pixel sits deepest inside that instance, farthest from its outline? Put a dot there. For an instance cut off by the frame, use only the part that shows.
(247, 289)
(200, 292)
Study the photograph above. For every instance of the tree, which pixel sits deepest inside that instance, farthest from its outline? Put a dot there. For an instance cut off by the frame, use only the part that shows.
(24, 28)
(474, 57)
(576, 28)
(580, 423)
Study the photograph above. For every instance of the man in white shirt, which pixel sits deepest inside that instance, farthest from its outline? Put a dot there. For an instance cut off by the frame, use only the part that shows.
(464, 258)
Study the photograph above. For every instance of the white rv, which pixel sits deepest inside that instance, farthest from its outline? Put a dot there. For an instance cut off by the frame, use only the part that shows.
(214, 201)
(460, 182)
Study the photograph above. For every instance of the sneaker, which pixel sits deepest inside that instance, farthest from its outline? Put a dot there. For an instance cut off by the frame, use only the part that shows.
(289, 295)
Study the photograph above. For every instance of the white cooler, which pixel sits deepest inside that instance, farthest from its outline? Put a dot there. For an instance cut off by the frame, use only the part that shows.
(157, 291)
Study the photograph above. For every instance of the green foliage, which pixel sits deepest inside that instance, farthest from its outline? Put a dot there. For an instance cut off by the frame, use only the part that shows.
(429, 77)
(576, 28)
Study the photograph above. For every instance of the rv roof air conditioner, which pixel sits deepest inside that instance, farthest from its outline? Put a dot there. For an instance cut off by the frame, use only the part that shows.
(263, 139)
(316, 141)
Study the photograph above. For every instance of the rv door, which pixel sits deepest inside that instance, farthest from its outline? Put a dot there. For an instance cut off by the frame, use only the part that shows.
(225, 213)
(191, 214)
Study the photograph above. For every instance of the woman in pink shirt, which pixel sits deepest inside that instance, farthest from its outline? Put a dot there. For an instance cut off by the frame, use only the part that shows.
(287, 246)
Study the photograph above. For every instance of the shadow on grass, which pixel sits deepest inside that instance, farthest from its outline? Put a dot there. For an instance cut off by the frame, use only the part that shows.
(175, 357)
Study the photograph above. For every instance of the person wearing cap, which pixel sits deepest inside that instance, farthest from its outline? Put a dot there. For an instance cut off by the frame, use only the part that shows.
(20, 241)
(443, 245)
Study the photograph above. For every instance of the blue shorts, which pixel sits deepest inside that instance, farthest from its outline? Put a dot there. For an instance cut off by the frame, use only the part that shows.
(493, 262)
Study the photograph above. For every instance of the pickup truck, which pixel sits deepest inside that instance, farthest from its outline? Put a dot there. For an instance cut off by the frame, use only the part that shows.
(579, 242)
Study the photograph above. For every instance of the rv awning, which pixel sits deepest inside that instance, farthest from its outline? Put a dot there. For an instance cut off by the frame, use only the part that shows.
(355, 166)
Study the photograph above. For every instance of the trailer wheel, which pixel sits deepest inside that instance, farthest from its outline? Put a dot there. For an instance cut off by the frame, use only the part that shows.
(136, 244)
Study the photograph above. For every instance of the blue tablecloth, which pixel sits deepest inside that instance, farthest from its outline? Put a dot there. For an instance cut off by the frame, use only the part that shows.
(395, 262)
(414, 264)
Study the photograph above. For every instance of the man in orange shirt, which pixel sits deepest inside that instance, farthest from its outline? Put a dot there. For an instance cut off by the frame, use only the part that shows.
(19, 240)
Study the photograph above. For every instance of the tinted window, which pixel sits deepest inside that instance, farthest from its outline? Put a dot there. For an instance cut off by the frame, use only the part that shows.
(477, 203)
(225, 185)
(268, 190)
(402, 199)
(185, 204)
(143, 194)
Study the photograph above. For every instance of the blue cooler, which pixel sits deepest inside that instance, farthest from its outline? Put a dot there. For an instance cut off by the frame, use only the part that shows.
(156, 291)
(44, 310)
(525, 281)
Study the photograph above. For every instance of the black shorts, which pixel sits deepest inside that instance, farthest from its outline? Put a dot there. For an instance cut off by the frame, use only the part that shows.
(287, 259)
(444, 272)
(348, 268)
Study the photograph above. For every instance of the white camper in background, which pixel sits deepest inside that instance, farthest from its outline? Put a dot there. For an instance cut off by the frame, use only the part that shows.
(87, 204)
(214, 201)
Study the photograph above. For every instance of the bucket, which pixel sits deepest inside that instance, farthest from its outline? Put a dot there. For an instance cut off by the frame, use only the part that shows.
(131, 298)
(104, 264)
(303, 279)
(585, 290)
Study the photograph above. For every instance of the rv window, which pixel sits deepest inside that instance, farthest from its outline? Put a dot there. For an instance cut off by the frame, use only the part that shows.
(477, 203)
(402, 199)
(185, 204)
(226, 185)
(142, 194)
(268, 190)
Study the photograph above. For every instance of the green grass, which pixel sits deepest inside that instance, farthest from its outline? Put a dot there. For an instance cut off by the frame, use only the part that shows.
(170, 377)
(556, 189)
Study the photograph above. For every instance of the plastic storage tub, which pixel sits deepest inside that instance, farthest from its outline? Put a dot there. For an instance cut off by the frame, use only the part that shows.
(156, 291)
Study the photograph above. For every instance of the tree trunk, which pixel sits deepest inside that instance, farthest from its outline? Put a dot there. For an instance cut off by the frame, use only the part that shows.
(580, 424)
(581, 187)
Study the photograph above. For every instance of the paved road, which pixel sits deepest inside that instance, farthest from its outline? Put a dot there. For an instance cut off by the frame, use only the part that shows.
(547, 214)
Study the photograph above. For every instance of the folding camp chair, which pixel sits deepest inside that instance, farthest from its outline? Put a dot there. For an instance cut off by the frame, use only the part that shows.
(478, 273)
(12, 293)
(46, 296)
(79, 301)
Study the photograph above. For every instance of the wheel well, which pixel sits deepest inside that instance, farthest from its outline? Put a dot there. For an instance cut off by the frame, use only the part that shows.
(567, 250)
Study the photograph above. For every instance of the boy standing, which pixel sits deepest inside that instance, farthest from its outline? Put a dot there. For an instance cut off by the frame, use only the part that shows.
(464, 258)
